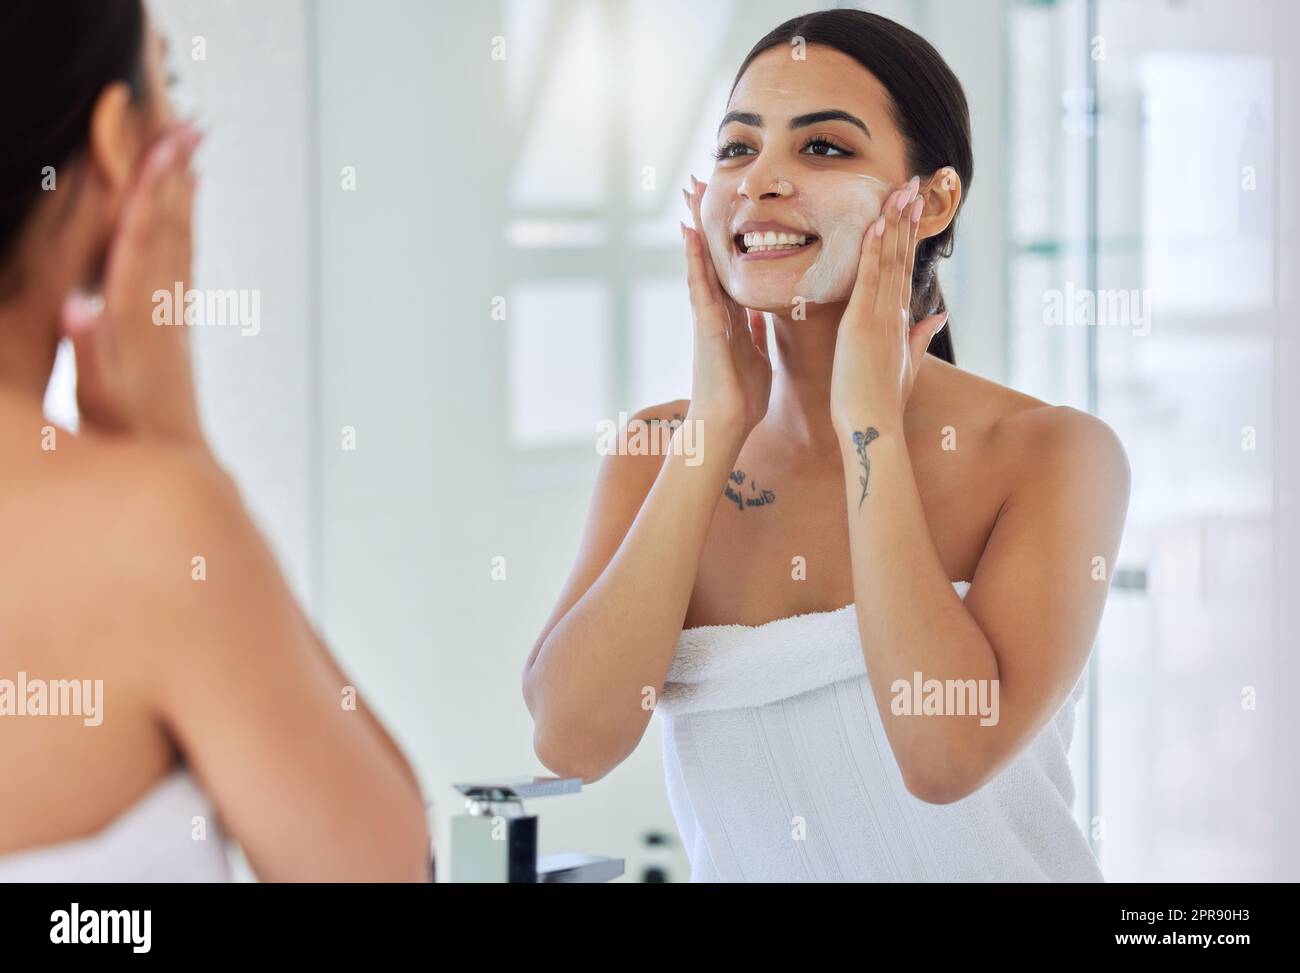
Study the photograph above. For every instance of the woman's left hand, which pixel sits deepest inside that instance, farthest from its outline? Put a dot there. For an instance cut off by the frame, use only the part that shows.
(133, 370)
(876, 352)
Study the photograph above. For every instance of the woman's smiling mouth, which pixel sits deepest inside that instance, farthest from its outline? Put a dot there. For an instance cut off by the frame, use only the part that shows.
(765, 241)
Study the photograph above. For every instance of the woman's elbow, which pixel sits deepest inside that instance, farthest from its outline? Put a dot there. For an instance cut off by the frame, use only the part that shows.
(941, 782)
(564, 756)
(935, 789)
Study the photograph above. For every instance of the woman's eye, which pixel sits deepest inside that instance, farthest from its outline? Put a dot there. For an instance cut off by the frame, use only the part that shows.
(825, 147)
(731, 150)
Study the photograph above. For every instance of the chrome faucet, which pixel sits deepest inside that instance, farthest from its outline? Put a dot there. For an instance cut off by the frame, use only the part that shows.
(496, 841)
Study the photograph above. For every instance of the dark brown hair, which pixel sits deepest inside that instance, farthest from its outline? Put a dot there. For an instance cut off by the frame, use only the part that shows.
(928, 106)
(56, 58)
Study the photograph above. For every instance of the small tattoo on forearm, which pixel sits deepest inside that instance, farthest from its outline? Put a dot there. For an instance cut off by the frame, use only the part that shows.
(860, 440)
(756, 498)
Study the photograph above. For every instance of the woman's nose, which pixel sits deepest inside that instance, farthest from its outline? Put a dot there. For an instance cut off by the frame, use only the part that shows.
(763, 181)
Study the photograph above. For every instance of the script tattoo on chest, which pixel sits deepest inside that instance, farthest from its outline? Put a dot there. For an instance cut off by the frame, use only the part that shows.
(745, 492)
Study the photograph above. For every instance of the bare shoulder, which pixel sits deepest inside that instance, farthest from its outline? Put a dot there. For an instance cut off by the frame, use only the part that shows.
(1035, 445)
(1023, 428)
(1051, 441)
(1052, 447)
(114, 537)
(634, 453)
(124, 496)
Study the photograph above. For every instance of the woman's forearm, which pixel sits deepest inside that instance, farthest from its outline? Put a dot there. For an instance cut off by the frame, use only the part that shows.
(597, 676)
(910, 619)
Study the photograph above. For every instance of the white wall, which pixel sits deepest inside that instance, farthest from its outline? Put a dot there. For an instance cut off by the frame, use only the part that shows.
(251, 96)
(1286, 673)
(411, 359)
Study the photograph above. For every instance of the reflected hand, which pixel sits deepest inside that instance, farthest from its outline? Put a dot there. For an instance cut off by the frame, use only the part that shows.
(732, 376)
(877, 349)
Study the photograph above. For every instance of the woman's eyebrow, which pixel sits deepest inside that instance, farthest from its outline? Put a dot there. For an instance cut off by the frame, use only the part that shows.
(829, 115)
(799, 121)
(743, 117)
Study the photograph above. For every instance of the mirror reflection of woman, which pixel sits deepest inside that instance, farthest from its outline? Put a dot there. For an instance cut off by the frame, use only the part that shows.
(926, 527)
(220, 710)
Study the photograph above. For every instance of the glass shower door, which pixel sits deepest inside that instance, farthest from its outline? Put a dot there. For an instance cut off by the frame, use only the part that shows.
(1184, 237)
(1143, 287)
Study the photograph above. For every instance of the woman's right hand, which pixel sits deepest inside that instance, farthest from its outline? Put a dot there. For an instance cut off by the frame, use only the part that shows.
(133, 374)
(732, 376)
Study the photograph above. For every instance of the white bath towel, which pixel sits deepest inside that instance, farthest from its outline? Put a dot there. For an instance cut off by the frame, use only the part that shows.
(156, 840)
(778, 769)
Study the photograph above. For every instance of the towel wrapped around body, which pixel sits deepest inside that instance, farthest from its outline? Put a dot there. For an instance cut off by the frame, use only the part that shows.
(779, 770)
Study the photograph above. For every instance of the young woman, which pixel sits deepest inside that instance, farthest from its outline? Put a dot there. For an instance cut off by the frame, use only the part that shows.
(193, 697)
(865, 524)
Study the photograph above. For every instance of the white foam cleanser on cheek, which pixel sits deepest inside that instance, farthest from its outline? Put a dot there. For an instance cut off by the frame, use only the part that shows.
(842, 218)
(837, 208)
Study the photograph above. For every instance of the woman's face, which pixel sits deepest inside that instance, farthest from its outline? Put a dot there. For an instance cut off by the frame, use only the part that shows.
(807, 149)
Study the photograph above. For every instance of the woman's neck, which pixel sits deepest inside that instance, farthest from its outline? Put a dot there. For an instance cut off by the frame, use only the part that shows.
(58, 253)
(800, 405)
(29, 339)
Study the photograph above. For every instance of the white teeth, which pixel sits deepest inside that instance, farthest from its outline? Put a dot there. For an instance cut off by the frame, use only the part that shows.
(772, 240)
